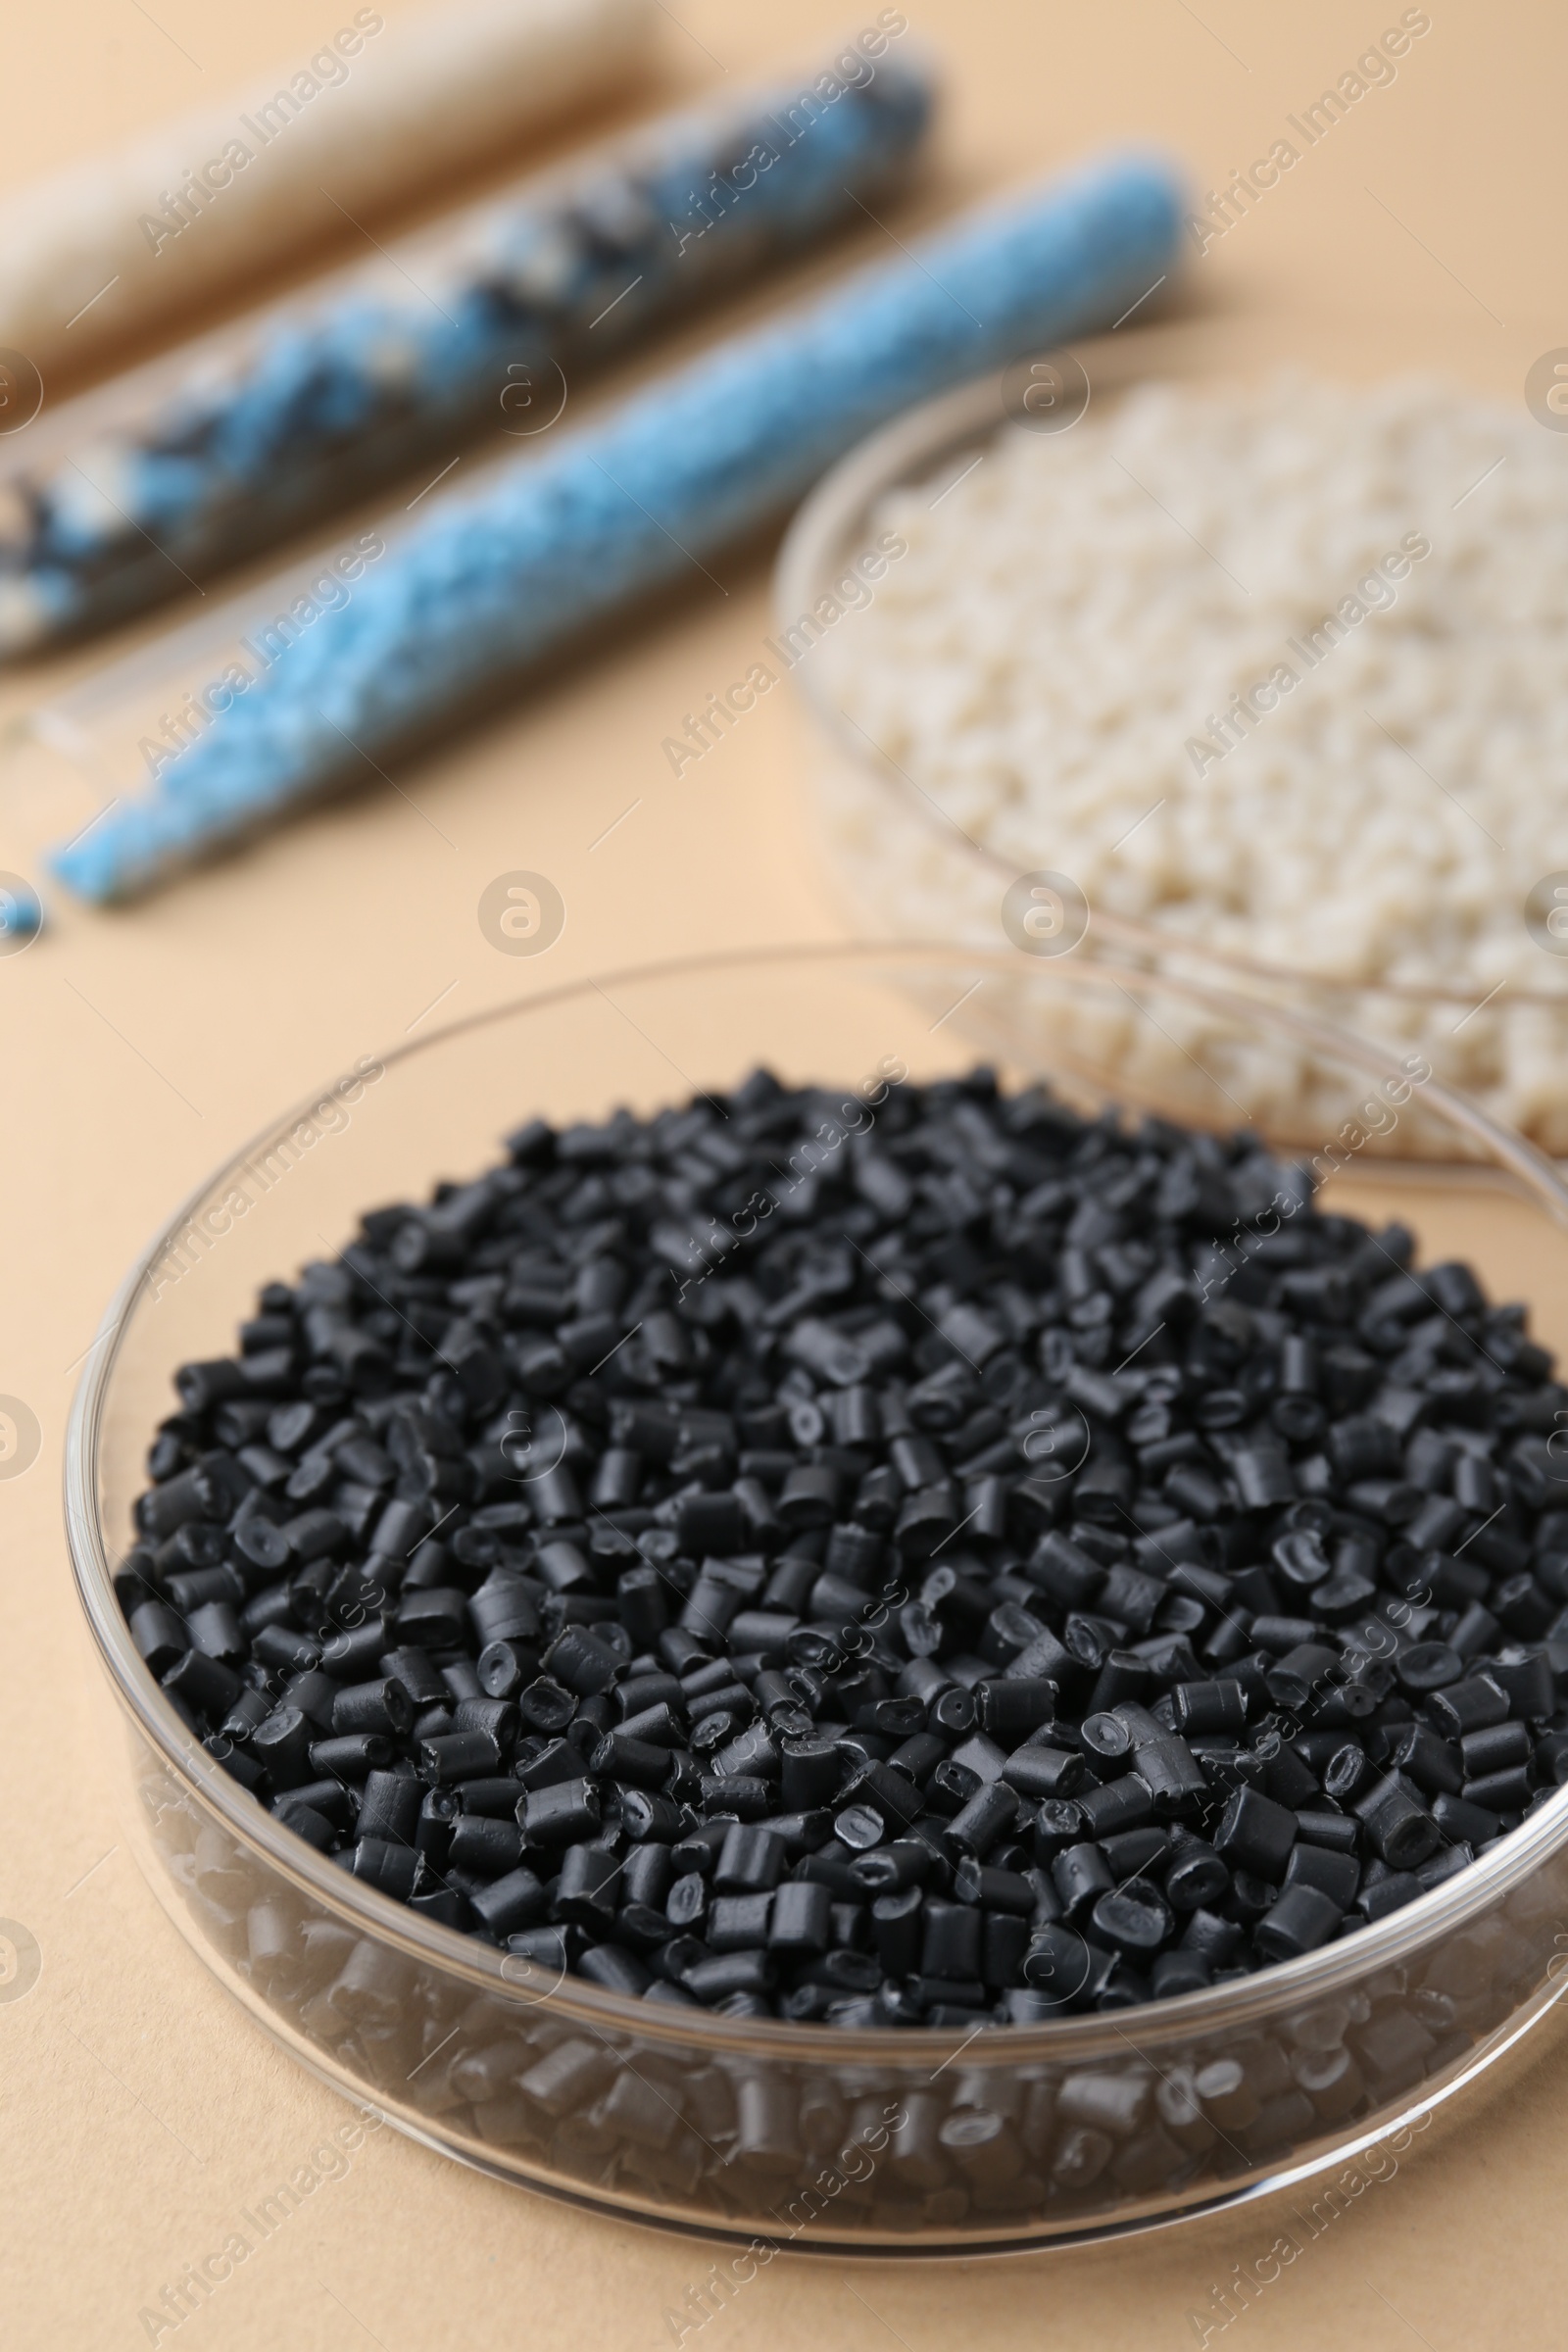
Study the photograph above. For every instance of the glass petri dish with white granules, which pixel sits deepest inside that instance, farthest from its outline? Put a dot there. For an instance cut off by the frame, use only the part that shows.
(1259, 679)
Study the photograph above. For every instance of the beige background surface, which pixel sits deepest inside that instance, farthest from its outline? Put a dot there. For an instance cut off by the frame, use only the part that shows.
(139, 2112)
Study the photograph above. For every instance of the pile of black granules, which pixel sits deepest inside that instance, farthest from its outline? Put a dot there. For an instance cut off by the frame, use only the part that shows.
(905, 1559)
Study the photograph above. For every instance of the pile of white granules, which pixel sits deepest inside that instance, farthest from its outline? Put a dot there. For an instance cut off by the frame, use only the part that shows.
(1282, 670)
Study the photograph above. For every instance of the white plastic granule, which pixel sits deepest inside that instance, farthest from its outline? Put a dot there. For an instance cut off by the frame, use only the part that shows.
(1282, 671)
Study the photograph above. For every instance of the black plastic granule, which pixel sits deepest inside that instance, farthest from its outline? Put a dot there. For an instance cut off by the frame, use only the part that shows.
(917, 1558)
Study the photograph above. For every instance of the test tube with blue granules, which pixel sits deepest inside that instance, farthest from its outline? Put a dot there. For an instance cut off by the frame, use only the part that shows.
(145, 487)
(445, 610)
